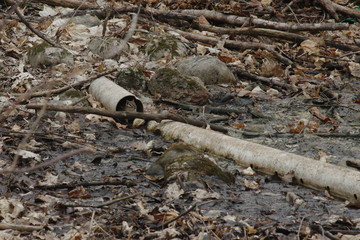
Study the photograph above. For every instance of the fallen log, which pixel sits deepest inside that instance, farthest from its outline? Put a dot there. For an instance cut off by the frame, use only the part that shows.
(339, 181)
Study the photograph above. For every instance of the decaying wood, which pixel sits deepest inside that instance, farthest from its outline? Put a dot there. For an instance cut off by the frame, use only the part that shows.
(231, 44)
(189, 14)
(192, 15)
(339, 181)
(333, 8)
(294, 37)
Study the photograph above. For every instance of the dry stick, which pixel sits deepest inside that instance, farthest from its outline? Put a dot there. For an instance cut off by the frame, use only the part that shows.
(22, 228)
(239, 21)
(70, 4)
(332, 8)
(175, 218)
(45, 164)
(22, 18)
(232, 19)
(234, 44)
(289, 5)
(27, 136)
(98, 205)
(320, 229)
(128, 115)
(294, 37)
(127, 183)
(268, 81)
(192, 15)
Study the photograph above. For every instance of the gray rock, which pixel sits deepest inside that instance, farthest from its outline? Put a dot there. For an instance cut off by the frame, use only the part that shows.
(45, 55)
(110, 48)
(209, 69)
(86, 20)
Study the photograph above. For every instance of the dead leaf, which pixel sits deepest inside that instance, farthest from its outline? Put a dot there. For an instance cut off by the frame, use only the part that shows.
(202, 20)
(271, 68)
(74, 127)
(251, 184)
(354, 69)
(78, 192)
(226, 59)
(299, 128)
(239, 125)
(310, 46)
(16, 128)
(323, 157)
(288, 178)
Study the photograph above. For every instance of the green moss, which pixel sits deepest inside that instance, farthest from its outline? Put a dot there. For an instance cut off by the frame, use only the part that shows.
(131, 74)
(73, 94)
(183, 157)
(132, 78)
(159, 46)
(65, 53)
(35, 50)
(168, 73)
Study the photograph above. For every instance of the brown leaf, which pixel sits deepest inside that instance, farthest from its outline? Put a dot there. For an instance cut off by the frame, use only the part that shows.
(251, 184)
(203, 20)
(78, 192)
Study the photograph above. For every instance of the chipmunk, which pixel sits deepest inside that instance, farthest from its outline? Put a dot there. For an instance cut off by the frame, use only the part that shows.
(130, 106)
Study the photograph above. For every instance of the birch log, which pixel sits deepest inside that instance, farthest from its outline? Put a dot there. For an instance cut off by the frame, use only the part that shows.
(340, 181)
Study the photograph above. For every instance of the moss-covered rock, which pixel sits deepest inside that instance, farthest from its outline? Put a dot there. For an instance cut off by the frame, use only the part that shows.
(132, 78)
(45, 55)
(170, 83)
(184, 158)
(159, 47)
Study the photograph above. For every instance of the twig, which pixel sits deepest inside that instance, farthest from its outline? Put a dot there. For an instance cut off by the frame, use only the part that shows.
(231, 44)
(175, 218)
(22, 18)
(320, 229)
(272, 33)
(28, 134)
(127, 183)
(129, 115)
(299, 230)
(70, 4)
(97, 205)
(45, 164)
(333, 8)
(91, 222)
(23, 228)
(269, 81)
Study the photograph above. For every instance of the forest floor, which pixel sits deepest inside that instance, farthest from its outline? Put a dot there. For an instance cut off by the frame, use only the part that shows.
(76, 176)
